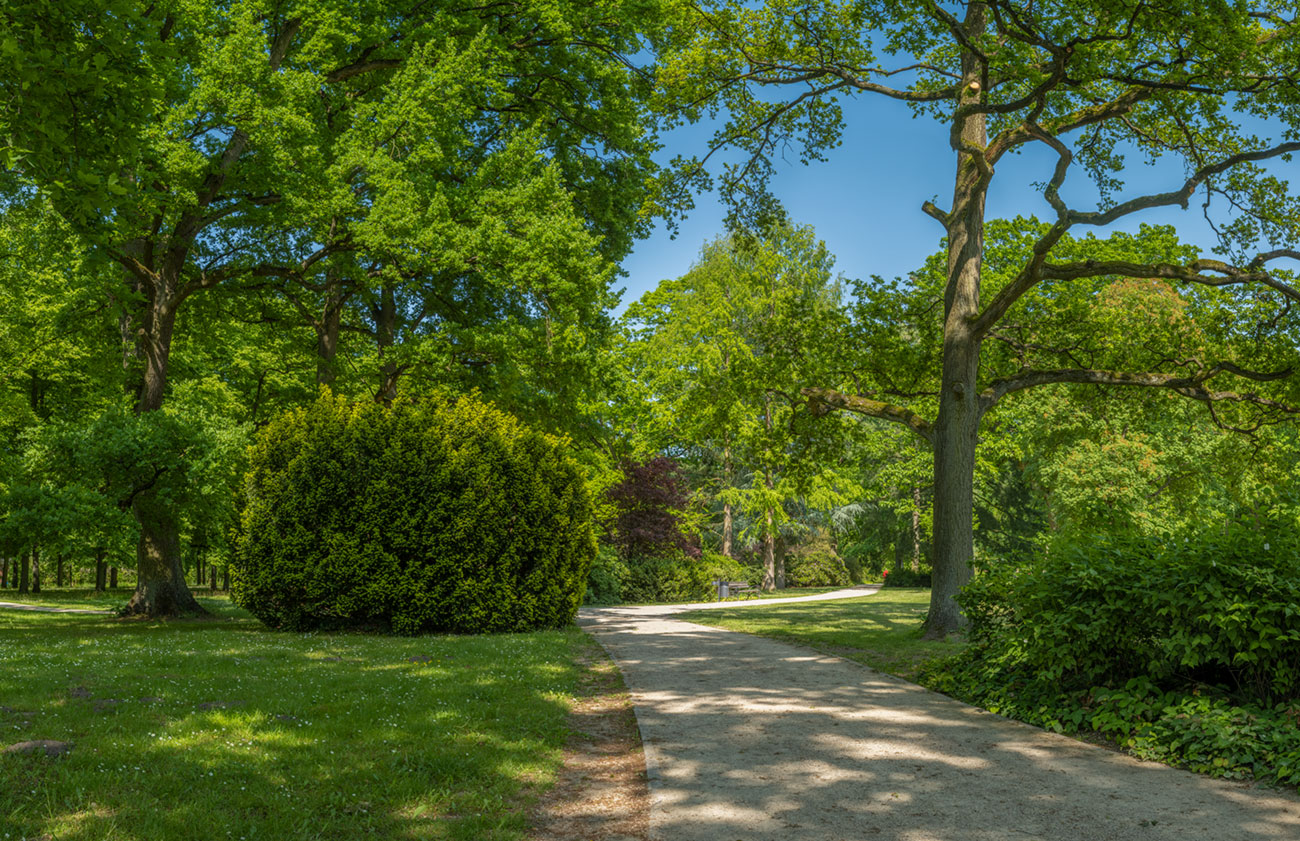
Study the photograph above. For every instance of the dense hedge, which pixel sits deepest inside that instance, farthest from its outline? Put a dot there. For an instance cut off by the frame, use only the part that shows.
(444, 515)
(1185, 650)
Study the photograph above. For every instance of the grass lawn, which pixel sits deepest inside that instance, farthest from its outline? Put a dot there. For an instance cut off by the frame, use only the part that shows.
(86, 597)
(881, 631)
(220, 729)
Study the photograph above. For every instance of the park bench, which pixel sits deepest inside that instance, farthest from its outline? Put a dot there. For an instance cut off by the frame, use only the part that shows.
(730, 588)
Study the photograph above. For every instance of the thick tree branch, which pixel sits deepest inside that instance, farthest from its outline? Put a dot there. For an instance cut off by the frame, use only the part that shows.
(1192, 386)
(823, 401)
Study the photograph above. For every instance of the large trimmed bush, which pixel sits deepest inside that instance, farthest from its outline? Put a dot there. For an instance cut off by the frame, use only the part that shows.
(445, 515)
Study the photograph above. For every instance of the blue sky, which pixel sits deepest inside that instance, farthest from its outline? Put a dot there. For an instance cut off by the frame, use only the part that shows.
(865, 200)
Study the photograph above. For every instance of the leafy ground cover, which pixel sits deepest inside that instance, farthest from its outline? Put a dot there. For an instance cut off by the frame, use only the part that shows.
(245, 733)
(882, 631)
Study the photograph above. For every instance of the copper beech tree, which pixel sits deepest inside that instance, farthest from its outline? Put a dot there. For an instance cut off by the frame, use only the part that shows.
(1215, 86)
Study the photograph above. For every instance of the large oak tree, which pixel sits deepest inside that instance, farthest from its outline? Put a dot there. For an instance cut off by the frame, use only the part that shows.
(1214, 85)
(480, 151)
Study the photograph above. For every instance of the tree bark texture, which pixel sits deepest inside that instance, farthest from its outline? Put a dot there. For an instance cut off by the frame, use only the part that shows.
(25, 574)
(101, 570)
(160, 580)
(957, 424)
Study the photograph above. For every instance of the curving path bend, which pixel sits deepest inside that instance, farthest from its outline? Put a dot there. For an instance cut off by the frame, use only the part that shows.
(749, 739)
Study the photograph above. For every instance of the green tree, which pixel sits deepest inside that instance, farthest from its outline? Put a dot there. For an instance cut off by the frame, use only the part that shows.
(1089, 81)
(229, 146)
(713, 358)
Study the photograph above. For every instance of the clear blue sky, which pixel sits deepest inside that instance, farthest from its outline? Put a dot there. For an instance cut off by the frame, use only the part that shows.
(865, 200)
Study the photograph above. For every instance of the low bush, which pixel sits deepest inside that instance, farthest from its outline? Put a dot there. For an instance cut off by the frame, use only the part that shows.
(905, 577)
(445, 515)
(815, 567)
(678, 578)
(1185, 650)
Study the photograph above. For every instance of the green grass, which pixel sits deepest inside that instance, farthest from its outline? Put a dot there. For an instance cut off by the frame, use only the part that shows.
(882, 631)
(748, 595)
(86, 597)
(220, 729)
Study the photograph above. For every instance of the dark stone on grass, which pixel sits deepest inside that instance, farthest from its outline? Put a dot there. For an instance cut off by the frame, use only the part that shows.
(107, 704)
(49, 747)
(149, 699)
(422, 658)
(219, 705)
(78, 692)
(332, 659)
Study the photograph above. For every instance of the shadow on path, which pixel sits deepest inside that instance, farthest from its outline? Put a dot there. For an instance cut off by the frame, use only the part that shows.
(749, 739)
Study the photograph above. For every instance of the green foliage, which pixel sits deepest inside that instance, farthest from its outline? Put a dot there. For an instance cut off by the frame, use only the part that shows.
(441, 515)
(905, 577)
(815, 565)
(680, 578)
(1185, 650)
(606, 577)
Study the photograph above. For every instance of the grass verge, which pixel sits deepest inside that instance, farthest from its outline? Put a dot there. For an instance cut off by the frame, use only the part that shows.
(225, 730)
(882, 631)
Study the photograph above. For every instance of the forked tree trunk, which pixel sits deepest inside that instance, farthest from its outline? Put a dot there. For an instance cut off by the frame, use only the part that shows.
(160, 588)
(327, 330)
(957, 424)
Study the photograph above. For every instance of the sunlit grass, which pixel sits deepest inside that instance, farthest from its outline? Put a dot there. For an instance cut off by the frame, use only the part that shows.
(221, 729)
(882, 631)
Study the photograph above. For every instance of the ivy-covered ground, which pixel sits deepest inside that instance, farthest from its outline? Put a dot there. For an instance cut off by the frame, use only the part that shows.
(246, 733)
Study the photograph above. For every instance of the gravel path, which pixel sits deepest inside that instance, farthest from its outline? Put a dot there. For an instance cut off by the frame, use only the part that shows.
(749, 739)
(38, 608)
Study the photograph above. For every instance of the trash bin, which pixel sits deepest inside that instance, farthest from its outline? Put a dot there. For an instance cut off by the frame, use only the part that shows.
(724, 589)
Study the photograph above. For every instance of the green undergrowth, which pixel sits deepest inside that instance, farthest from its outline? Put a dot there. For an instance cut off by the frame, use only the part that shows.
(220, 729)
(1182, 651)
(882, 631)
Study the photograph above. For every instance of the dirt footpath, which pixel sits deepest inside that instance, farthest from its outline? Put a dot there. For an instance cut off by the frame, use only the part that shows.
(749, 739)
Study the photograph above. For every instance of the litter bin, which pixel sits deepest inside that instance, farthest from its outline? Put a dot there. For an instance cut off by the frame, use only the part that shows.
(724, 589)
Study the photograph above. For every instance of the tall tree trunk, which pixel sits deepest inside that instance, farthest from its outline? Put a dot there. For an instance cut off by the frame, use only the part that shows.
(385, 315)
(213, 588)
(112, 578)
(225, 578)
(25, 574)
(769, 555)
(327, 330)
(4, 573)
(957, 424)
(728, 524)
(101, 570)
(916, 529)
(160, 588)
(36, 570)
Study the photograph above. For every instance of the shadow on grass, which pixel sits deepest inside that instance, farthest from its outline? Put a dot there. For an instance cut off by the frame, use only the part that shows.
(225, 730)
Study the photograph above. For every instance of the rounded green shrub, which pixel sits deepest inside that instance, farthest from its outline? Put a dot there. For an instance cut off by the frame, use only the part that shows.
(445, 515)
(815, 566)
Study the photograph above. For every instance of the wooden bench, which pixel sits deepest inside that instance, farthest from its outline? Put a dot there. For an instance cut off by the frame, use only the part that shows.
(730, 588)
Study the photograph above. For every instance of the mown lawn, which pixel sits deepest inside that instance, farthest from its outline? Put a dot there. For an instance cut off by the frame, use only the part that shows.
(220, 729)
(882, 631)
